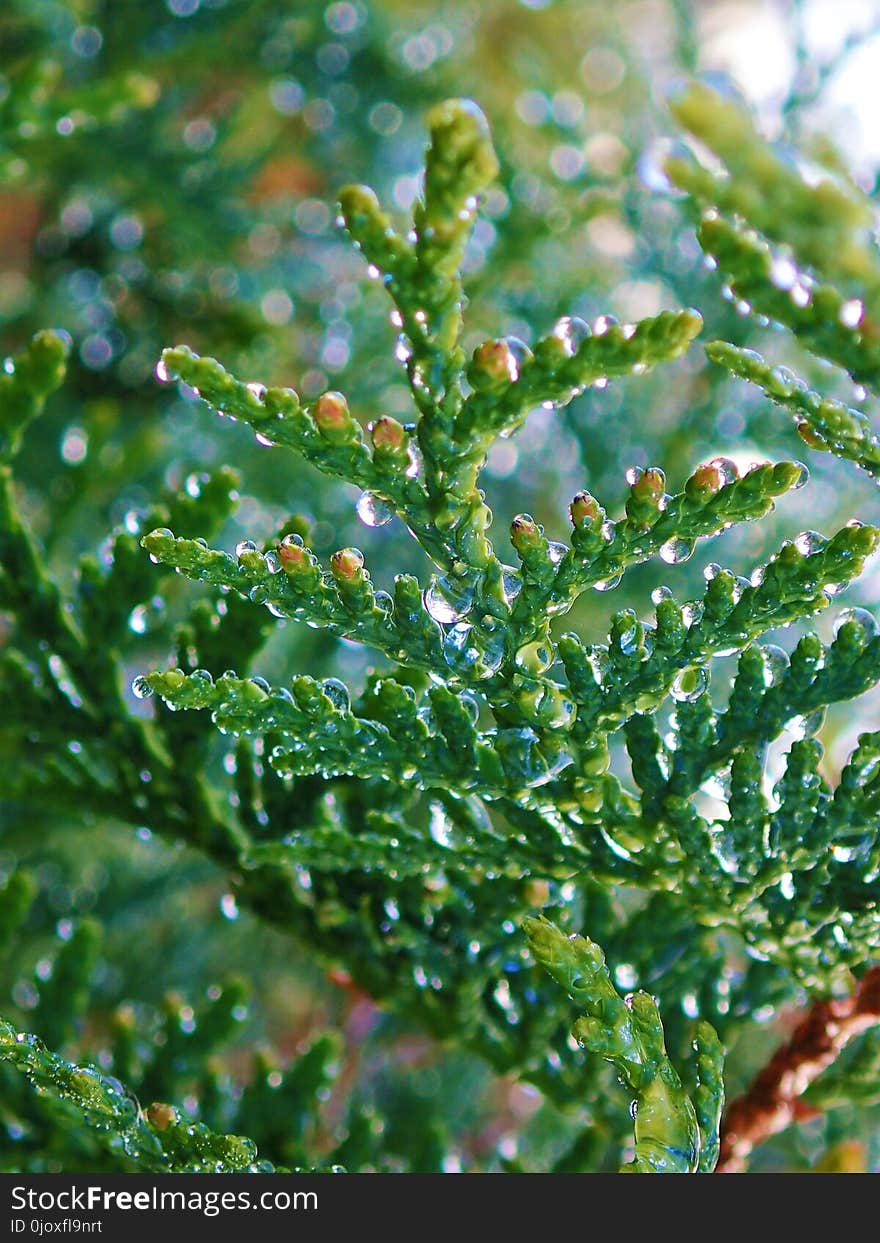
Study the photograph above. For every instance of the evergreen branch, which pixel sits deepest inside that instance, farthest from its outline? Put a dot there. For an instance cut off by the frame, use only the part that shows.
(288, 580)
(713, 498)
(822, 423)
(824, 320)
(773, 1101)
(25, 382)
(639, 666)
(628, 1033)
(826, 225)
(508, 379)
(434, 747)
(325, 433)
(155, 1140)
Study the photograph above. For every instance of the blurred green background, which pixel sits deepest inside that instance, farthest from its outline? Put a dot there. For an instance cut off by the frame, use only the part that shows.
(168, 175)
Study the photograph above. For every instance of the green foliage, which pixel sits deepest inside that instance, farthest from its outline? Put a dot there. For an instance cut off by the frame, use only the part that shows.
(654, 775)
(671, 1136)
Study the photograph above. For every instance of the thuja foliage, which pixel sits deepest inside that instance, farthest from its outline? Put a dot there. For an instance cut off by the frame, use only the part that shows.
(659, 786)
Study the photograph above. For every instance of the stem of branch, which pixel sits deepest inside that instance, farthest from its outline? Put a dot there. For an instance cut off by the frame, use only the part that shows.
(773, 1101)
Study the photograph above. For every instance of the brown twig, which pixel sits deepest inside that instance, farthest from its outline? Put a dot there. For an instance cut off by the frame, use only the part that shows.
(773, 1101)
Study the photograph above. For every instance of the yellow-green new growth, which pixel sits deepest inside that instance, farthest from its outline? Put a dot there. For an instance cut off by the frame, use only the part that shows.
(673, 1133)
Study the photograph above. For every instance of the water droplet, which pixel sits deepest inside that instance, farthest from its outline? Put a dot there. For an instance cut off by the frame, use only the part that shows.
(786, 886)
(373, 511)
(229, 906)
(676, 550)
(141, 688)
(805, 726)
(689, 684)
(692, 613)
(717, 785)
(776, 663)
(809, 542)
(243, 547)
(726, 468)
(602, 323)
(861, 617)
(783, 272)
(512, 582)
(608, 584)
(659, 594)
(556, 551)
(337, 693)
(137, 619)
(448, 602)
(628, 640)
(851, 313)
(518, 354)
(571, 331)
(162, 374)
(202, 675)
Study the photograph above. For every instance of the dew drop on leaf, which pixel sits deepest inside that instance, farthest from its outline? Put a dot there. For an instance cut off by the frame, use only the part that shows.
(675, 550)
(861, 617)
(448, 602)
(372, 510)
(689, 684)
(337, 693)
(571, 331)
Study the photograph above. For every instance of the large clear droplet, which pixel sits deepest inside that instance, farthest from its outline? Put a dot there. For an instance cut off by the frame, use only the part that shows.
(460, 650)
(675, 550)
(243, 547)
(141, 688)
(447, 601)
(518, 353)
(556, 551)
(571, 331)
(727, 469)
(373, 511)
(810, 542)
(689, 684)
(628, 640)
(337, 693)
(491, 648)
(511, 581)
(608, 584)
(776, 663)
(861, 617)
